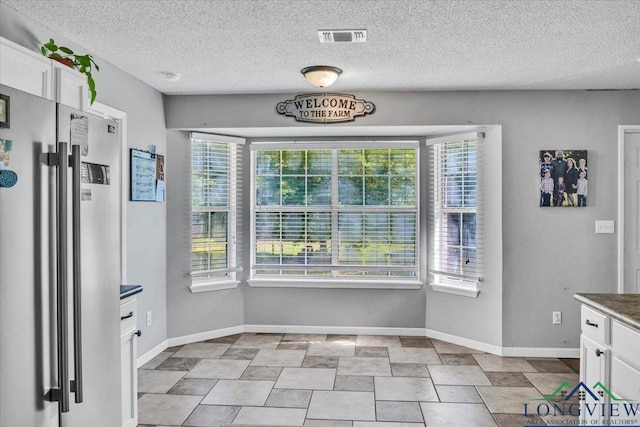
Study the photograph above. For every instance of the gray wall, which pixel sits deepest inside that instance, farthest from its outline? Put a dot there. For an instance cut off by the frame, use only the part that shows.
(548, 254)
(146, 242)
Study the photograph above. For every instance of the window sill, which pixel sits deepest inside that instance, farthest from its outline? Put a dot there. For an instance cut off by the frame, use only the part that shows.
(470, 291)
(335, 284)
(217, 285)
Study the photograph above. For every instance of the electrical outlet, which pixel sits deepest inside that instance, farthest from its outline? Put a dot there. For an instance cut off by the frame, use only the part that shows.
(148, 318)
(605, 227)
(557, 317)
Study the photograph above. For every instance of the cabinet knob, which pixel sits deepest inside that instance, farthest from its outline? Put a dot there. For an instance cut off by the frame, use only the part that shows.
(599, 352)
(139, 332)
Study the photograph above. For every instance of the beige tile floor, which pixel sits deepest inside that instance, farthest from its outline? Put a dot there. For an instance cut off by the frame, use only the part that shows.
(342, 380)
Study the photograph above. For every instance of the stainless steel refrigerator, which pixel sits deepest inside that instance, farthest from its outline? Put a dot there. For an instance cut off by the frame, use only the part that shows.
(59, 267)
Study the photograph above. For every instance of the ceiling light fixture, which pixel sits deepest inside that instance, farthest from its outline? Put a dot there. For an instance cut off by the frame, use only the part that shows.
(321, 75)
(171, 77)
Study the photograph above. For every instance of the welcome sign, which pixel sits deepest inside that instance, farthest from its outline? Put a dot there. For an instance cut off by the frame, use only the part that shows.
(325, 107)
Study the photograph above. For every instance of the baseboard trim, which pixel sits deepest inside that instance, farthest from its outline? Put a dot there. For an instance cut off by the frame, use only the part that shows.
(152, 353)
(563, 353)
(569, 353)
(466, 342)
(208, 335)
(338, 330)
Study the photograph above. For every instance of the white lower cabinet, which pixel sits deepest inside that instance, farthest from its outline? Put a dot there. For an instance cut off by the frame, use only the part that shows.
(594, 358)
(610, 370)
(128, 361)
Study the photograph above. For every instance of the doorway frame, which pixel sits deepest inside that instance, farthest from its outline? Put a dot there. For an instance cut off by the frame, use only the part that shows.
(622, 131)
(121, 117)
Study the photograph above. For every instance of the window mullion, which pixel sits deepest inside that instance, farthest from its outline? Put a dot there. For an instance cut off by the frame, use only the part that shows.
(305, 217)
(209, 215)
(231, 207)
(335, 236)
(281, 245)
(388, 243)
(461, 251)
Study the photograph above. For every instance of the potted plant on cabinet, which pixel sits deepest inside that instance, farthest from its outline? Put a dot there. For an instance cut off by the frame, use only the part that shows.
(82, 63)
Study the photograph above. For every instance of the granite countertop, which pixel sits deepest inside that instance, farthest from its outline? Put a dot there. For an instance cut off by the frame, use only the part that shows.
(128, 290)
(623, 307)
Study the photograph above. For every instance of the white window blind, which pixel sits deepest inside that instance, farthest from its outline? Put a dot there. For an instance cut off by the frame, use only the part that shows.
(455, 211)
(344, 214)
(216, 208)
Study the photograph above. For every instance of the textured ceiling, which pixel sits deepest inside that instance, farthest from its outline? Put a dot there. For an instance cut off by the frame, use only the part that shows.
(248, 46)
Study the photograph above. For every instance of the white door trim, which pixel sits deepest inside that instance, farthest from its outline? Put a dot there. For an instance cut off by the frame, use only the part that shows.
(622, 131)
(120, 116)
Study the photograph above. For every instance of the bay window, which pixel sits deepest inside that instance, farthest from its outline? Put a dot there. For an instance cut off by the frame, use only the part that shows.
(216, 226)
(455, 215)
(324, 213)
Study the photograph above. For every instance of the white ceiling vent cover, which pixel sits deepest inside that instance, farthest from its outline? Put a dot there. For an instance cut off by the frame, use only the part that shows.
(342, 36)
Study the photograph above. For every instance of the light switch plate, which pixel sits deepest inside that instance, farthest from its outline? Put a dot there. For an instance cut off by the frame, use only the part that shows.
(606, 227)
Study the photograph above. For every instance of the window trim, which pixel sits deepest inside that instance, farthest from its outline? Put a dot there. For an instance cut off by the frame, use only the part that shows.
(230, 281)
(335, 282)
(213, 285)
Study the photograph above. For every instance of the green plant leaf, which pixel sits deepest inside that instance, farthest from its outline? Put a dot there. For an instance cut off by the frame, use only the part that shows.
(83, 60)
(51, 46)
(92, 86)
(82, 63)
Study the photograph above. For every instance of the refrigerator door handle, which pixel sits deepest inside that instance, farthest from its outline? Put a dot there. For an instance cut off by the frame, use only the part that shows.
(61, 160)
(76, 385)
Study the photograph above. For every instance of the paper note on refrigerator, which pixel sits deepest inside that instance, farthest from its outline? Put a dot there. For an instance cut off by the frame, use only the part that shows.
(80, 133)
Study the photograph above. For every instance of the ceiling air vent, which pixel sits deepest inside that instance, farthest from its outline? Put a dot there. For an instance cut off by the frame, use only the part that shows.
(342, 36)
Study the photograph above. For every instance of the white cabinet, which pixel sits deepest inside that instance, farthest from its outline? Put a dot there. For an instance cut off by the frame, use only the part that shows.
(625, 361)
(594, 360)
(31, 72)
(128, 360)
(25, 70)
(70, 86)
(609, 368)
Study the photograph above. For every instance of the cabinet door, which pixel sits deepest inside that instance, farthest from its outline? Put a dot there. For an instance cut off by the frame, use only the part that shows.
(71, 87)
(25, 70)
(594, 362)
(129, 374)
(625, 379)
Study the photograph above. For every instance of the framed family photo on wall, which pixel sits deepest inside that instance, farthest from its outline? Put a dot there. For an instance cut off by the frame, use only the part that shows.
(563, 178)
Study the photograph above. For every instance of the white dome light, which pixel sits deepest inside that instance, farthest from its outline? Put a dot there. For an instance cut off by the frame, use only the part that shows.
(321, 75)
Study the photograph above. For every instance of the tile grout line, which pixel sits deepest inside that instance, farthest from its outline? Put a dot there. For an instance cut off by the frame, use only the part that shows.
(536, 370)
